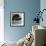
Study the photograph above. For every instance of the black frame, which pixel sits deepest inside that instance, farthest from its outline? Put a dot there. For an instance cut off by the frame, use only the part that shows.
(10, 19)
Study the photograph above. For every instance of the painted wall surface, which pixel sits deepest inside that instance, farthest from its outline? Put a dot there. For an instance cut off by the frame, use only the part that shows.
(30, 7)
(43, 6)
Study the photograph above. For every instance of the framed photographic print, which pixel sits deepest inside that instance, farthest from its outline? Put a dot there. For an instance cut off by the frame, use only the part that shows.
(17, 19)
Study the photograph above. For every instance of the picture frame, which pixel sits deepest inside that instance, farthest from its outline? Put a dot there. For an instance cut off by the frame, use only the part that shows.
(17, 19)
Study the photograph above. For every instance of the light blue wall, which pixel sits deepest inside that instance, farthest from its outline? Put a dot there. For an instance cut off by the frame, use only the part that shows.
(27, 6)
(43, 6)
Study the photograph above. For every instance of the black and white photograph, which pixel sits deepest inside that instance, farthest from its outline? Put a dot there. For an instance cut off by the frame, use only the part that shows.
(17, 19)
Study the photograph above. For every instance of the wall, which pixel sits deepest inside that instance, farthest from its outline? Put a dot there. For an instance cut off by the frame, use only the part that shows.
(30, 7)
(43, 6)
